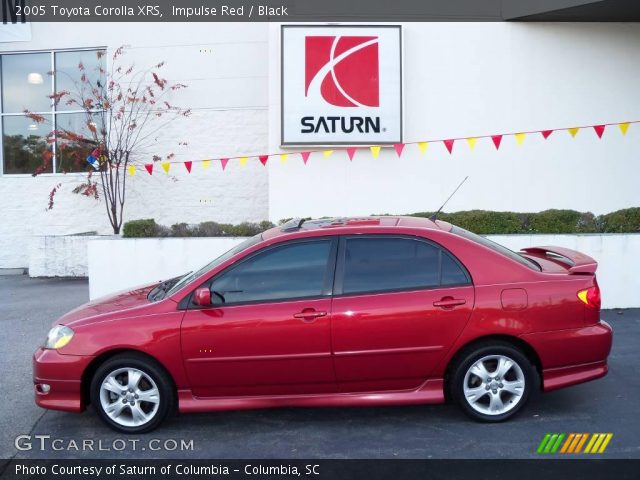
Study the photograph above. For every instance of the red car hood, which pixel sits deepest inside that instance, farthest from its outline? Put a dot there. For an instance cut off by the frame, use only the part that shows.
(125, 300)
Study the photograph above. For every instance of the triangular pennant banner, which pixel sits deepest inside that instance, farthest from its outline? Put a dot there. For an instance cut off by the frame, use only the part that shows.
(398, 147)
(327, 153)
(599, 130)
(149, 168)
(206, 164)
(496, 139)
(573, 131)
(263, 159)
(520, 138)
(623, 127)
(188, 164)
(166, 166)
(305, 156)
(472, 142)
(243, 161)
(351, 152)
(449, 144)
(423, 146)
(375, 151)
(223, 163)
(546, 133)
(131, 169)
(283, 158)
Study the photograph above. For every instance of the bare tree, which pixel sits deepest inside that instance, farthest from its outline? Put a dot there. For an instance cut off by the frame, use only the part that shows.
(124, 111)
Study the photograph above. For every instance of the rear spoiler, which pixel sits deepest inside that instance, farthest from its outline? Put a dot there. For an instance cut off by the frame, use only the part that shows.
(580, 263)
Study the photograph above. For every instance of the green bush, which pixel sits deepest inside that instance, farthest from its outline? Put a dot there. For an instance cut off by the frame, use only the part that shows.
(149, 228)
(561, 221)
(621, 221)
(482, 222)
(141, 228)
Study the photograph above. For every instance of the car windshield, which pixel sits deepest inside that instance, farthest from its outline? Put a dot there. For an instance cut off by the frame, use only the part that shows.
(496, 247)
(189, 277)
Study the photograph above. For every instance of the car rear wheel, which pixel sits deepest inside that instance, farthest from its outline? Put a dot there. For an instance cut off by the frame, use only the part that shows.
(492, 382)
(131, 393)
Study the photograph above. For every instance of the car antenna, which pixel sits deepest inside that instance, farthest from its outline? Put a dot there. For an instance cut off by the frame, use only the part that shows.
(434, 217)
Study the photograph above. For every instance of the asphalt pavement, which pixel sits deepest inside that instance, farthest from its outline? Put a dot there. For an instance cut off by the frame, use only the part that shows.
(28, 306)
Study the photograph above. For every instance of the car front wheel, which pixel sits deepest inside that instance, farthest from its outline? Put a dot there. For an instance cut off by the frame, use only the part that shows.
(131, 393)
(493, 382)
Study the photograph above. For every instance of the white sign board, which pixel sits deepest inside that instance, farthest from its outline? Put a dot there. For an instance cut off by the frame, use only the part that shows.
(341, 85)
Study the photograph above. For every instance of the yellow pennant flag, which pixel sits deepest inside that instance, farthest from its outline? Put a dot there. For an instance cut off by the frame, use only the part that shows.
(132, 170)
(327, 153)
(574, 131)
(206, 164)
(283, 158)
(520, 138)
(375, 151)
(166, 166)
(624, 127)
(422, 146)
(243, 161)
(472, 142)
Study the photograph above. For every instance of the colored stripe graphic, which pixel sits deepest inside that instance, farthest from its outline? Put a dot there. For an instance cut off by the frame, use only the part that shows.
(573, 443)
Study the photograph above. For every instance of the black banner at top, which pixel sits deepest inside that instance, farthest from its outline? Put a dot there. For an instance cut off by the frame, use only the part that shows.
(20, 11)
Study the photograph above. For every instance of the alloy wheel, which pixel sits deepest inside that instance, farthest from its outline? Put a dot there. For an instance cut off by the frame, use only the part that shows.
(494, 385)
(129, 397)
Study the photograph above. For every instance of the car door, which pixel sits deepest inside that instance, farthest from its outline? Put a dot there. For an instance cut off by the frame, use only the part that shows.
(268, 331)
(399, 304)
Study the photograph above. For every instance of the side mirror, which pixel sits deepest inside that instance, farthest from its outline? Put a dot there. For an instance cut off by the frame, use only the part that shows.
(202, 297)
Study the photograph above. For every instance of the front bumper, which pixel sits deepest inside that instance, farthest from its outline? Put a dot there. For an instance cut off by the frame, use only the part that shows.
(572, 356)
(63, 376)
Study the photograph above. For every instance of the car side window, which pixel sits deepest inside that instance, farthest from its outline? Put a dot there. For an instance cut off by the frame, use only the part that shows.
(295, 270)
(376, 264)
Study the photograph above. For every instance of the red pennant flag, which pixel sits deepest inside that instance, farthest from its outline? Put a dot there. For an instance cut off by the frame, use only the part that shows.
(546, 133)
(149, 167)
(449, 145)
(351, 152)
(305, 156)
(188, 165)
(599, 130)
(496, 140)
(223, 162)
(398, 148)
(263, 159)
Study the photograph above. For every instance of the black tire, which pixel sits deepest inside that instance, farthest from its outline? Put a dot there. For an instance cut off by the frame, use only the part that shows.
(513, 403)
(149, 368)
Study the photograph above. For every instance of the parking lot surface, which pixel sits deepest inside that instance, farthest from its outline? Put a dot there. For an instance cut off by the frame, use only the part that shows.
(29, 306)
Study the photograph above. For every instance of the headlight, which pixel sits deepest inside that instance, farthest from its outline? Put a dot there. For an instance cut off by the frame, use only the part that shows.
(58, 337)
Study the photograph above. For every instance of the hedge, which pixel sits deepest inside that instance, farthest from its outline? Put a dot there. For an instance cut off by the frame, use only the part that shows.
(479, 221)
(149, 228)
(549, 221)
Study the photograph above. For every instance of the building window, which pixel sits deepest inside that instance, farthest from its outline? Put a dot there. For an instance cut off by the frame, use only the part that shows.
(26, 84)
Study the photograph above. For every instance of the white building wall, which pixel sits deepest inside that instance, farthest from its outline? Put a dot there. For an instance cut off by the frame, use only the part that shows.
(469, 79)
(225, 68)
(460, 80)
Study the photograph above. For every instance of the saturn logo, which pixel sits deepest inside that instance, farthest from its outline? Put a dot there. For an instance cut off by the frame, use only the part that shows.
(343, 70)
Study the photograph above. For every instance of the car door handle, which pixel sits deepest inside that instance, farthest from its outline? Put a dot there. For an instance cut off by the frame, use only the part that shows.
(309, 314)
(449, 302)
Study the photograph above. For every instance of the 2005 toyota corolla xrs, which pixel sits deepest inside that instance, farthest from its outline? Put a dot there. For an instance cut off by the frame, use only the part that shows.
(340, 312)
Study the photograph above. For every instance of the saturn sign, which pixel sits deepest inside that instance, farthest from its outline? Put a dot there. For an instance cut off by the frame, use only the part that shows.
(341, 85)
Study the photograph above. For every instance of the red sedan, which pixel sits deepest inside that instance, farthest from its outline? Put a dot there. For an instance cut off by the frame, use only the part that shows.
(339, 312)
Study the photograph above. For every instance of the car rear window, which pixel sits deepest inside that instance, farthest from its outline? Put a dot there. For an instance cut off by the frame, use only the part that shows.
(377, 264)
(496, 247)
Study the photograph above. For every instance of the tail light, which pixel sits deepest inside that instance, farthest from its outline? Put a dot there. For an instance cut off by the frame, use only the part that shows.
(590, 297)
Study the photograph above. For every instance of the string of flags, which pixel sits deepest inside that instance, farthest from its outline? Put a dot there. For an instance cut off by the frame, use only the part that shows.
(449, 143)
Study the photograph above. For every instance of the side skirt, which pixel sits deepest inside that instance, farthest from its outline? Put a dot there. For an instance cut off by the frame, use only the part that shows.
(432, 391)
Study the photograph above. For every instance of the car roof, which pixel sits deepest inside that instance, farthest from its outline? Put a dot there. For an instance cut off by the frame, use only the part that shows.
(355, 223)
